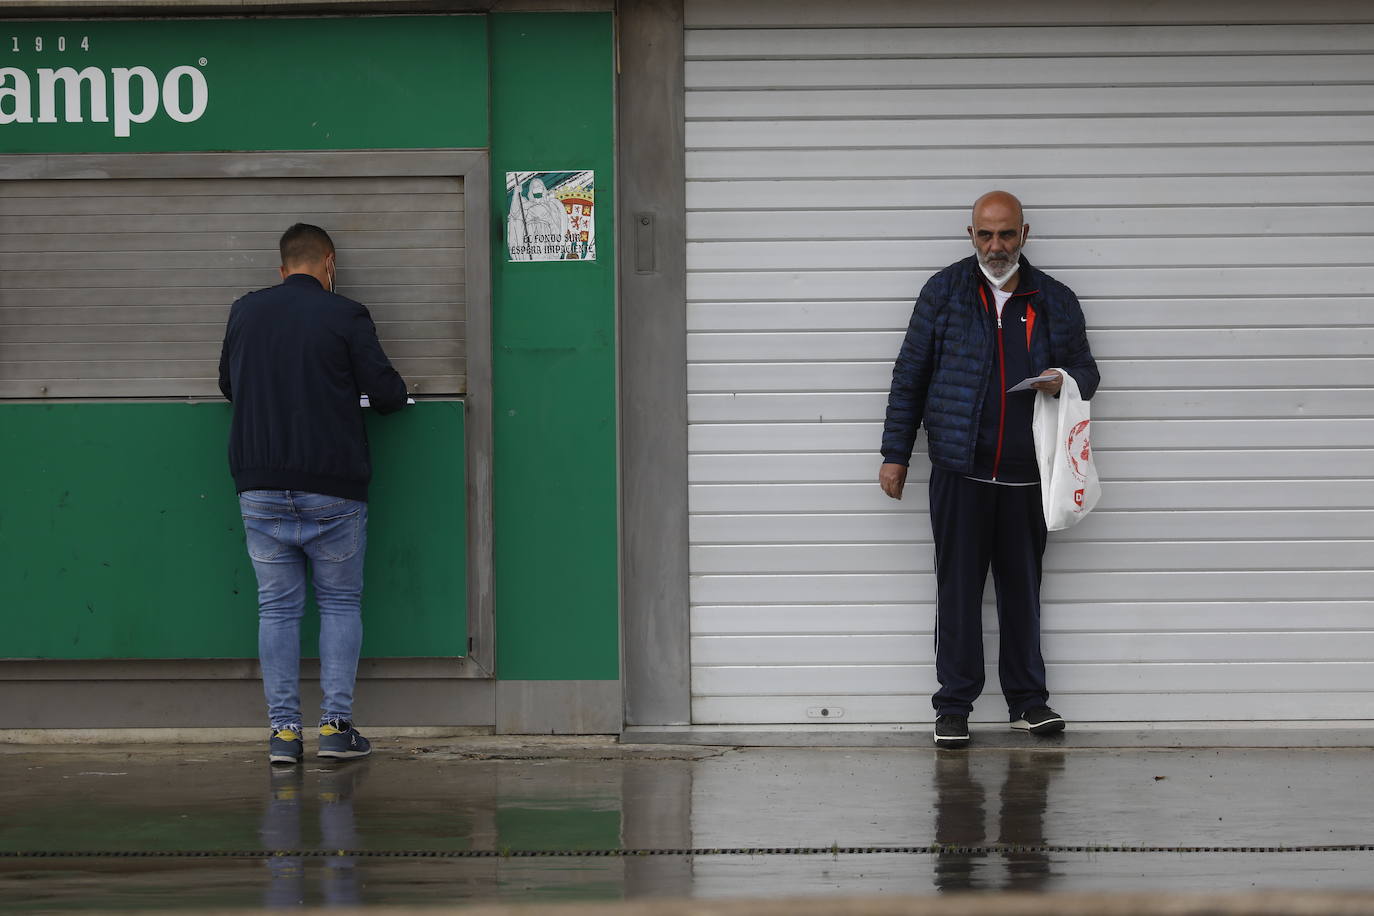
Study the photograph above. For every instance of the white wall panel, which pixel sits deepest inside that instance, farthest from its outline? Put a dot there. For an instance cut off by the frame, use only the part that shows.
(1050, 223)
(1110, 434)
(1136, 464)
(911, 648)
(836, 527)
(1147, 282)
(1140, 343)
(885, 14)
(874, 375)
(1203, 176)
(1173, 617)
(1171, 585)
(1092, 555)
(803, 44)
(848, 191)
(1021, 70)
(1165, 705)
(1020, 102)
(1180, 404)
(1077, 252)
(1124, 677)
(1104, 312)
(1030, 161)
(1126, 495)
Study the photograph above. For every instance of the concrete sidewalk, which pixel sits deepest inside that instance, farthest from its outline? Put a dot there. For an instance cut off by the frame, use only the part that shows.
(639, 829)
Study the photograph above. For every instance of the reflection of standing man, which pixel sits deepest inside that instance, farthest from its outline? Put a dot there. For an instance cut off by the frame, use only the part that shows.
(962, 864)
(296, 357)
(980, 326)
(537, 226)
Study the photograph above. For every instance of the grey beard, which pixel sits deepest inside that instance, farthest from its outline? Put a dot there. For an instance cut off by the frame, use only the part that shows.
(998, 279)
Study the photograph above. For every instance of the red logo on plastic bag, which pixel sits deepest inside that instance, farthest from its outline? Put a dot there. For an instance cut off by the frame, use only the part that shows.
(1078, 449)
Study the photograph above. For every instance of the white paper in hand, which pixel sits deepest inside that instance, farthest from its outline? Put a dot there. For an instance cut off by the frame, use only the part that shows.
(1025, 383)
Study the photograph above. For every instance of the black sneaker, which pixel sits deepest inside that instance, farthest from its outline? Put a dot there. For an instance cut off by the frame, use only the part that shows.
(1040, 720)
(951, 731)
(285, 746)
(339, 739)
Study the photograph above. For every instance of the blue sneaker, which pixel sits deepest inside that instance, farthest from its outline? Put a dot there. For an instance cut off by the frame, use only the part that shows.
(339, 739)
(285, 746)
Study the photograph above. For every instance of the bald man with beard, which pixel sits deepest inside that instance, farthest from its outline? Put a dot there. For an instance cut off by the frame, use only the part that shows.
(979, 327)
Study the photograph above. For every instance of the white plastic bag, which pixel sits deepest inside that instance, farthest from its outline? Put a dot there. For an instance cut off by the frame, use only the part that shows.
(1068, 480)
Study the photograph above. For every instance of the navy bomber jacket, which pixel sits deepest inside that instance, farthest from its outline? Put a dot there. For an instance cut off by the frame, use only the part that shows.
(949, 372)
(295, 359)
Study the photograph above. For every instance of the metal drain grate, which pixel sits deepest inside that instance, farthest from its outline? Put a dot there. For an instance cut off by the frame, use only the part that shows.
(933, 849)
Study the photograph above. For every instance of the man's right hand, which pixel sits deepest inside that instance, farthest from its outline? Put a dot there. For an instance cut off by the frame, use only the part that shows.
(892, 478)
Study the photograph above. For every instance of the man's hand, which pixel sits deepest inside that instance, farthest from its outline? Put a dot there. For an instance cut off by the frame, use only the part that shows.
(1053, 381)
(892, 478)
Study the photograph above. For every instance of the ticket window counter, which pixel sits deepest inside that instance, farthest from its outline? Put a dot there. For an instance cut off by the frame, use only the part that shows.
(124, 549)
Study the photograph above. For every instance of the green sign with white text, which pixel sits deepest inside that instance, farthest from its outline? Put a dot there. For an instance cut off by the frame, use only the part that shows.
(394, 82)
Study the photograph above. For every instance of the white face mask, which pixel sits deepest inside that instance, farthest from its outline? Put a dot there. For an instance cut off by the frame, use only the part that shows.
(999, 282)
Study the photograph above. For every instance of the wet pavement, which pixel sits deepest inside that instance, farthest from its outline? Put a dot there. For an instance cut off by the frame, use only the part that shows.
(531, 820)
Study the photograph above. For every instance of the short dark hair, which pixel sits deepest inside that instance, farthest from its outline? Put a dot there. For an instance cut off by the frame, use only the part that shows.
(304, 243)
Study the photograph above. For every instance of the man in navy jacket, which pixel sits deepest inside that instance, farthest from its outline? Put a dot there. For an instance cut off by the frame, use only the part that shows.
(980, 326)
(296, 358)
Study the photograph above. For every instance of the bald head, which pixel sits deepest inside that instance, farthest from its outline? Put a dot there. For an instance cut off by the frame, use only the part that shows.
(998, 204)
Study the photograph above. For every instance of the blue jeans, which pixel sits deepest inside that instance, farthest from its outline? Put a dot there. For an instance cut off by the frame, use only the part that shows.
(284, 528)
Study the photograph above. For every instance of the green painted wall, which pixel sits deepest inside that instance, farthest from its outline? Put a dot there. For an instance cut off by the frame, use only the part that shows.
(557, 591)
(121, 538)
(122, 483)
(396, 82)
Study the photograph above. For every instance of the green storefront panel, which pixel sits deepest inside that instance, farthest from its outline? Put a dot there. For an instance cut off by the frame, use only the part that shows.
(121, 483)
(554, 330)
(122, 538)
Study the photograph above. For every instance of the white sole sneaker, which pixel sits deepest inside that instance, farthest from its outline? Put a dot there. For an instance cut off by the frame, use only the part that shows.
(952, 740)
(1047, 727)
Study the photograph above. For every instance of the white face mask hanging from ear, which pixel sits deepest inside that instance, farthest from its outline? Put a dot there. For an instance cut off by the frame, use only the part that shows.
(996, 281)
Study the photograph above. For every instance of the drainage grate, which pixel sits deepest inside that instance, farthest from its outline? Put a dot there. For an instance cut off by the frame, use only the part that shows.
(933, 849)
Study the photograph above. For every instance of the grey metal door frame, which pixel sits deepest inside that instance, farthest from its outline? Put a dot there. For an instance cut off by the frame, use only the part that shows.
(651, 155)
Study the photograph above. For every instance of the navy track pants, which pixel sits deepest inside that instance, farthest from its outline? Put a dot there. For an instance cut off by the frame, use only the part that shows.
(977, 525)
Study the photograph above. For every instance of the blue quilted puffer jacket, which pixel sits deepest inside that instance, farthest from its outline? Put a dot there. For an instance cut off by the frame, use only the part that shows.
(943, 368)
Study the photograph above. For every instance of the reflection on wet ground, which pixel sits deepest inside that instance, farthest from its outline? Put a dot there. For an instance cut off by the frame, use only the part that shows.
(961, 821)
(445, 825)
(337, 878)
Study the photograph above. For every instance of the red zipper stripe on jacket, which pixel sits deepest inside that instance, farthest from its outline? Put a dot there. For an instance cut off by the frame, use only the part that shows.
(1002, 389)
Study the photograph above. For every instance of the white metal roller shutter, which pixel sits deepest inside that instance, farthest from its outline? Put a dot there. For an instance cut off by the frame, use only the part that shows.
(121, 287)
(1203, 176)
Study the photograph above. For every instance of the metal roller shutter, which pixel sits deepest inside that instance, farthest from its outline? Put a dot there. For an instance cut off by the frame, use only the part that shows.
(1203, 176)
(115, 288)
